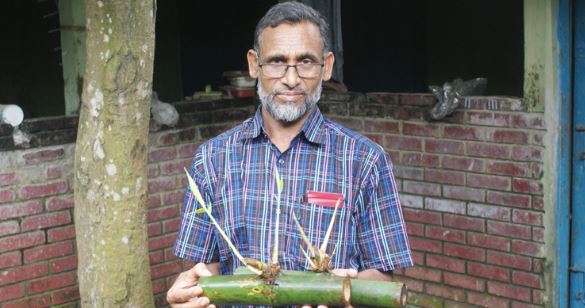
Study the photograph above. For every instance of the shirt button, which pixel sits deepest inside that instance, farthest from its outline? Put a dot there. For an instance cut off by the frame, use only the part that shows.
(281, 161)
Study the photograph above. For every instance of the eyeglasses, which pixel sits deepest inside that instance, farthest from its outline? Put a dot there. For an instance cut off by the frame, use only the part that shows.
(304, 69)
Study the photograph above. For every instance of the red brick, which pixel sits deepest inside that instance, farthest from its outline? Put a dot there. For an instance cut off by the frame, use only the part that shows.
(163, 270)
(156, 257)
(7, 178)
(445, 234)
(164, 241)
(44, 190)
(488, 118)
(462, 222)
(20, 209)
(488, 271)
(167, 139)
(509, 260)
(463, 193)
(523, 305)
(173, 198)
(61, 203)
(154, 229)
(411, 201)
(445, 177)
(449, 206)
(538, 297)
(445, 263)
(36, 302)
(508, 136)
(162, 213)
(509, 230)
(484, 300)
(527, 186)
(380, 126)
(424, 130)
(423, 273)
(16, 274)
(444, 146)
(43, 156)
(171, 225)
(20, 241)
(153, 171)
(421, 244)
(488, 150)
(413, 284)
(455, 294)
(163, 184)
(63, 264)
(537, 138)
(48, 252)
(66, 295)
(528, 248)
(488, 241)
(536, 170)
(175, 167)
(527, 217)
(464, 132)
(508, 168)
(488, 211)
(465, 252)
(422, 216)
(53, 172)
(416, 99)
(526, 120)
(355, 124)
(61, 233)
(187, 151)
(403, 143)
(537, 265)
(538, 234)
(7, 196)
(10, 259)
(418, 159)
(509, 291)
(508, 199)
(11, 292)
(408, 173)
(422, 188)
(488, 181)
(162, 154)
(418, 258)
(45, 220)
(154, 201)
(526, 154)
(458, 163)
(159, 286)
(527, 279)
(538, 203)
(463, 281)
(415, 229)
(51, 283)
(9, 227)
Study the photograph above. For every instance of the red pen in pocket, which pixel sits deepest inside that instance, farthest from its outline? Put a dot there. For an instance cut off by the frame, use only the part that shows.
(324, 198)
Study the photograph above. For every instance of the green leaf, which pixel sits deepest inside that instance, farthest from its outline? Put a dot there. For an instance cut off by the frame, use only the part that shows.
(200, 211)
(279, 182)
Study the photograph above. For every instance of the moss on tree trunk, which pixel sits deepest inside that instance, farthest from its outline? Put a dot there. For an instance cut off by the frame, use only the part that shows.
(111, 155)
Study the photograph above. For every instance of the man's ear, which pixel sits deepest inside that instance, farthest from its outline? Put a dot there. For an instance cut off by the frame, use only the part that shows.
(252, 63)
(328, 67)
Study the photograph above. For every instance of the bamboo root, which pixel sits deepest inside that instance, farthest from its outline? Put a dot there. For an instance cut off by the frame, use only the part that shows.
(299, 288)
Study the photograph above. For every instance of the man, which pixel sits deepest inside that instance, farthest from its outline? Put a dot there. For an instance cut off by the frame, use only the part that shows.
(236, 172)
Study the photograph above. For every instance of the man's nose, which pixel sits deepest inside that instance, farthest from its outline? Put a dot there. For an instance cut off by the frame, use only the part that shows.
(291, 77)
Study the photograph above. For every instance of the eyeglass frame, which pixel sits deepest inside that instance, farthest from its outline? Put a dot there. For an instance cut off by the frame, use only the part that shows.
(287, 66)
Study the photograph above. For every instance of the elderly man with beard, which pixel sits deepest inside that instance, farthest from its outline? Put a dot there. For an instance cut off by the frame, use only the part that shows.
(236, 172)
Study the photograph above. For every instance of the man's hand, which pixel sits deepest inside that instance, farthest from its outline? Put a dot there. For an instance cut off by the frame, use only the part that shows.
(184, 293)
(341, 272)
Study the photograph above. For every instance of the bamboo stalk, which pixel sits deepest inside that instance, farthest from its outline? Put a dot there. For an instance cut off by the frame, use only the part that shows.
(299, 288)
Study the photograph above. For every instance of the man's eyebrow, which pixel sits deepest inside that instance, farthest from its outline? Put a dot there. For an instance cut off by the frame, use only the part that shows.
(309, 56)
(275, 58)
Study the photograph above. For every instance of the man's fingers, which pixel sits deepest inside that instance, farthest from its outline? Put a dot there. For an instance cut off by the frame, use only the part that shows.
(180, 295)
(321, 306)
(201, 270)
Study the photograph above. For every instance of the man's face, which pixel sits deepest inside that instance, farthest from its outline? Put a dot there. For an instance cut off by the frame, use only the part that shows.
(290, 97)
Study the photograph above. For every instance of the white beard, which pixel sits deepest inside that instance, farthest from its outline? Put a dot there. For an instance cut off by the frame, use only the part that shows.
(288, 112)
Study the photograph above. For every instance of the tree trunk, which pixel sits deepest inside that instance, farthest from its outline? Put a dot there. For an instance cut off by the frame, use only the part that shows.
(111, 155)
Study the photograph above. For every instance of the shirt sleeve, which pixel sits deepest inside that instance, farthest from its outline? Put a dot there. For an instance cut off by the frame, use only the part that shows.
(196, 240)
(381, 232)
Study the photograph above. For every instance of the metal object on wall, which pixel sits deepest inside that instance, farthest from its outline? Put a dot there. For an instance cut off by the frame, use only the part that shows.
(452, 93)
(11, 114)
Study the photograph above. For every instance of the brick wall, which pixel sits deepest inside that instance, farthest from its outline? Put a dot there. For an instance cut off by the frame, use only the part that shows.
(470, 187)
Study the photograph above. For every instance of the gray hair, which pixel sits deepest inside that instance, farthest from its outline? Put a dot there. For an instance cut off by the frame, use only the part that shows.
(292, 12)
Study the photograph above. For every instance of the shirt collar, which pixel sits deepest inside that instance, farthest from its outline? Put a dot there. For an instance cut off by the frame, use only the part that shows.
(312, 129)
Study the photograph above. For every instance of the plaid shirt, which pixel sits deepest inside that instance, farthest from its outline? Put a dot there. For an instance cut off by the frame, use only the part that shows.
(235, 174)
